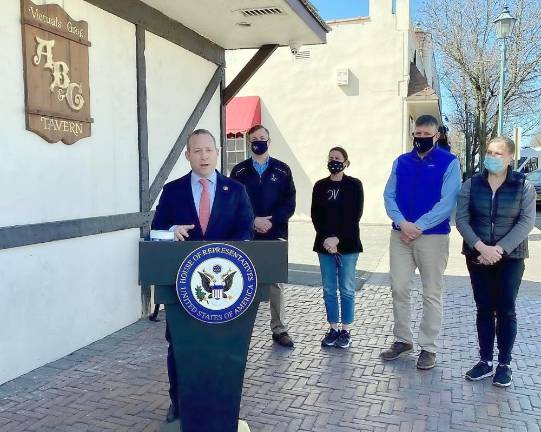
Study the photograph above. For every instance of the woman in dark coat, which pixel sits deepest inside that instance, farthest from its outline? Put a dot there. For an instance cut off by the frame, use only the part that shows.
(495, 214)
(337, 207)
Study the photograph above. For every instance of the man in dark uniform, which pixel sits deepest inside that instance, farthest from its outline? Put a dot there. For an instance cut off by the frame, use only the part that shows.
(270, 186)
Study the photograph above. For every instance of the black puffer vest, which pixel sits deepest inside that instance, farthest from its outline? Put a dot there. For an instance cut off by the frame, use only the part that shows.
(491, 219)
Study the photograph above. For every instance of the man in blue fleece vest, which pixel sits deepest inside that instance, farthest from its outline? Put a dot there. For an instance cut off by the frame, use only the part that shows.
(420, 196)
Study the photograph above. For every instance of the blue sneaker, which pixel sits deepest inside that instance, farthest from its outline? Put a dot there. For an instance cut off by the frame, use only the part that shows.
(330, 338)
(479, 371)
(503, 376)
(344, 339)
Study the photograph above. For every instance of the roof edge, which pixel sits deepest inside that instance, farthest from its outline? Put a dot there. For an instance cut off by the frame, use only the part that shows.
(351, 20)
(312, 10)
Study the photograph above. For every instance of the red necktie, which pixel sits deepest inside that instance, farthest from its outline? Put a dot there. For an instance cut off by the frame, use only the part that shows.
(204, 205)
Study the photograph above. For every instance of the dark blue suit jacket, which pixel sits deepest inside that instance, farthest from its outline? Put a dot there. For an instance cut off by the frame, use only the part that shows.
(231, 216)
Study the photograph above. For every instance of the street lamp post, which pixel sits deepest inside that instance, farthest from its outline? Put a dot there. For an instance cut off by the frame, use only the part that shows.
(504, 27)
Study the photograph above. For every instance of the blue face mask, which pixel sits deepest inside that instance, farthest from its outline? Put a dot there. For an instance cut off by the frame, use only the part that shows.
(493, 164)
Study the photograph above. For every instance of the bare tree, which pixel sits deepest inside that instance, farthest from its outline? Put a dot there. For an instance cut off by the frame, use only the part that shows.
(468, 56)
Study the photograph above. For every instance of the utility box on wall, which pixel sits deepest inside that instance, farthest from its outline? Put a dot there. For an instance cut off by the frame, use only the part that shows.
(342, 76)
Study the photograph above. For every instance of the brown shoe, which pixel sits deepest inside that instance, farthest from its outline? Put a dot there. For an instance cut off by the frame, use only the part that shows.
(283, 339)
(426, 360)
(397, 349)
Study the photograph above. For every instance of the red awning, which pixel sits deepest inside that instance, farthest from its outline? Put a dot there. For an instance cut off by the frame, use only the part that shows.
(241, 113)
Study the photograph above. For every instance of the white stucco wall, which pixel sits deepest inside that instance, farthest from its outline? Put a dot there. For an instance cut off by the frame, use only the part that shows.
(46, 179)
(176, 80)
(60, 296)
(308, 113)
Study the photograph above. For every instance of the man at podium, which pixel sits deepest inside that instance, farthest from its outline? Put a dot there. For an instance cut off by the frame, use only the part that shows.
(202, 205)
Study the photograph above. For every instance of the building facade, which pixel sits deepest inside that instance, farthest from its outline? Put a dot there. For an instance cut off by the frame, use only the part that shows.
(363, 91)
(71, 216)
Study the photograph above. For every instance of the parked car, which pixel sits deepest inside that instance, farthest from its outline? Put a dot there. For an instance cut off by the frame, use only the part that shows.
(535, 178)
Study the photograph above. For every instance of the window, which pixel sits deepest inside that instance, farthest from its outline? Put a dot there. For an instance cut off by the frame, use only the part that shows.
(236, 151)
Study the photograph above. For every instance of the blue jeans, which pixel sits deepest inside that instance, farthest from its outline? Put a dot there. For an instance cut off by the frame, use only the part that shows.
(341, 278)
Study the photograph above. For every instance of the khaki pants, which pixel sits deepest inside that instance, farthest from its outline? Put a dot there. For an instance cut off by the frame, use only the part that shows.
(428, 253)
(277, 307)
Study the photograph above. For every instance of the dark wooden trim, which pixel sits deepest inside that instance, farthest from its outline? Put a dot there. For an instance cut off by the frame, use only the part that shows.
(137, 12)
(24, 235)
(180, 143)
(247, 72)
(223, 137)
(142, 120)
(142, 140)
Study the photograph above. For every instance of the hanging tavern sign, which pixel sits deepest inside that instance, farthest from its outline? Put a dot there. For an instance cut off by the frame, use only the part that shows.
(57, 93)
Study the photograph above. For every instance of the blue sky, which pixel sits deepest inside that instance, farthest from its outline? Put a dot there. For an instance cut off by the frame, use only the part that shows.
(337, 9)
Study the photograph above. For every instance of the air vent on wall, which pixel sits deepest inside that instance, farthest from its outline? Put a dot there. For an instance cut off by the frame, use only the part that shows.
(302, 55)
(263, 11)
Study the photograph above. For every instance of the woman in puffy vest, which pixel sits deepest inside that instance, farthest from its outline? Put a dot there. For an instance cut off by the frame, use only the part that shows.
(495, 214)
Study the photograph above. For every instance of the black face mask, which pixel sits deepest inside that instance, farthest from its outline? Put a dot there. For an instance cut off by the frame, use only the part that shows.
(423, 144)
(260, 147)
(335, 166)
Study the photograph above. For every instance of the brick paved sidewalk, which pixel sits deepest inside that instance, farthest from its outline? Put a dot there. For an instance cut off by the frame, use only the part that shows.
(120, 384)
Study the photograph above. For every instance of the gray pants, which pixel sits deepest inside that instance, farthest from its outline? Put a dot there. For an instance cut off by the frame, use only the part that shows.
(428, 253)
(277, 307)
